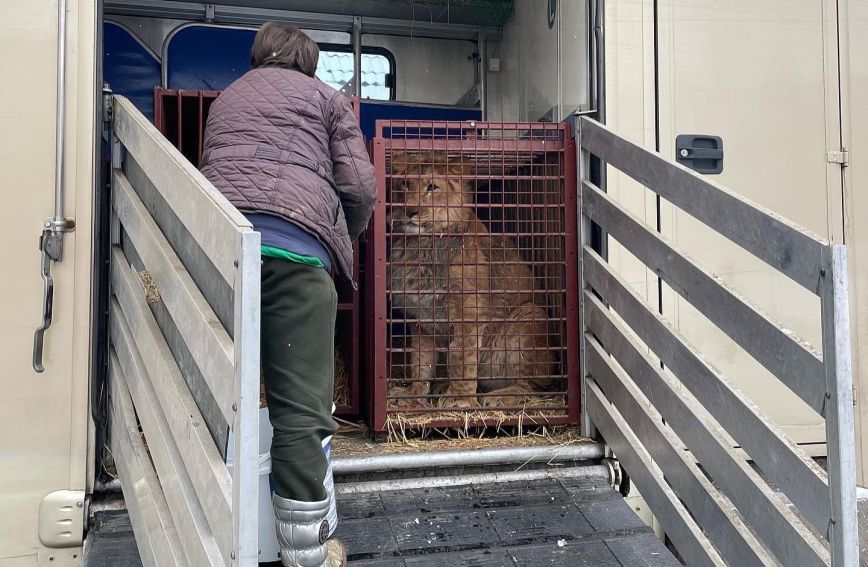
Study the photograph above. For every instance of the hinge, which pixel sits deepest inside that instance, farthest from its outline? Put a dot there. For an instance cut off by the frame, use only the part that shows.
(106, 103)
(61, 519)
(838, 156)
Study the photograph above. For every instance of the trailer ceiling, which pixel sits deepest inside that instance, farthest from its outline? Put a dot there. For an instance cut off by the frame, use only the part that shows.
(458, 19)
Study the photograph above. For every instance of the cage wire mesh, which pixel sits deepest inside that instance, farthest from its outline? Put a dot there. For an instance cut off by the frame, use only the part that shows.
(475, 290)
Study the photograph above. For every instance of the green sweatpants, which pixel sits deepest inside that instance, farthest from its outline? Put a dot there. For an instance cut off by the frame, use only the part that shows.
(299, 305)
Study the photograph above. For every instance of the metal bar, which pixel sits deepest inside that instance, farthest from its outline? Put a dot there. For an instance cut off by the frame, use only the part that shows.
(689, 540)
(60, 110)
(217, 291)
(245, 508)
(377, 266)
(485, 146)
(156, 537)
(201, 545)
(211, 220)
(480, 457)
(157, 383)
(773, 521)
(357, 56)
(783, 245)
(840, 426)
(584, 239)
(593, 471)
(711, 510)
(784, 355)
(482, 48)
(573, 280)
(782, 461)
(204, 336)
(306, 20)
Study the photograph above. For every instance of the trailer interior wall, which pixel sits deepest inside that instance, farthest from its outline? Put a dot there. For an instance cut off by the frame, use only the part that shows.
(854, 23)
(44, 422)
(543, 71)
(431, 71)
(670, 73)
(630, 111)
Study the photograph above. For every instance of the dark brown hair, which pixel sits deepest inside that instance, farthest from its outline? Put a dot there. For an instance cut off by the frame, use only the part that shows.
(280, 45)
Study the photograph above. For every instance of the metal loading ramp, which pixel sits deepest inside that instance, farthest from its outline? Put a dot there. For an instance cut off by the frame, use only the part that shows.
(569, 521)
(560, 515)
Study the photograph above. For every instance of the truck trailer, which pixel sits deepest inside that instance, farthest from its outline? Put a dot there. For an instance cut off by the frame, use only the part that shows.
(678, 182)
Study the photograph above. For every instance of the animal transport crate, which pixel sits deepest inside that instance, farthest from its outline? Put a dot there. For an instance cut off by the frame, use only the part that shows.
(472, 271)
(181, 115)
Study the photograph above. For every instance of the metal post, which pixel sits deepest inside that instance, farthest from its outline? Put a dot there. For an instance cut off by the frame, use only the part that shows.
(60, 109)
(840, 433)
(245, 426)
(357, 56)
(599, 44)
(482, 48)
(582, 162)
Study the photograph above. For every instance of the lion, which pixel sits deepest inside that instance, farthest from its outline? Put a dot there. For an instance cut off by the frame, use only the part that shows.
(469, 292)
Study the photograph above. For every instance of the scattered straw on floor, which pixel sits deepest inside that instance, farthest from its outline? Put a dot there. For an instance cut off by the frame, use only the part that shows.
(354, 440)
(342, 387)
(152, 293)
(404, 426)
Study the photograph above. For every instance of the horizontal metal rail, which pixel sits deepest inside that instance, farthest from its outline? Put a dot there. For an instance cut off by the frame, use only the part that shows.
(771, 238)
(173, 234)
(653, 397)
(242, 15)
(590, 471)
(151, 519)
(479, 457)
(796, 475)
(783, 354)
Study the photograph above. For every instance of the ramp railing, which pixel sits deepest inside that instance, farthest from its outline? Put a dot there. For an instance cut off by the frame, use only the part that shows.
(184, 358)
(670, 417)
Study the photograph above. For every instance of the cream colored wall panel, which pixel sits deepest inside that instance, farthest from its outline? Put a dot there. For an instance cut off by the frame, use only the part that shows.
(630, 112)
(754, 74)
(43, 427)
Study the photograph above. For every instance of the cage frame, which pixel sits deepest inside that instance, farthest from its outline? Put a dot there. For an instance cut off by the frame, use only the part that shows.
(377, 314)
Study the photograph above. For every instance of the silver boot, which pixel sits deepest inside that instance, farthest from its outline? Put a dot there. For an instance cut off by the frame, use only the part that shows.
(302, 531)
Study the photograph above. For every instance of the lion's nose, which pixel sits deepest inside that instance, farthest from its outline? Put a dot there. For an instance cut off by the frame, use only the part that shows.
(412, 213)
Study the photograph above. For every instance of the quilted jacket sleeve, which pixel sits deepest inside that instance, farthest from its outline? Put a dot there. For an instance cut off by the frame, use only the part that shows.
(352, 168)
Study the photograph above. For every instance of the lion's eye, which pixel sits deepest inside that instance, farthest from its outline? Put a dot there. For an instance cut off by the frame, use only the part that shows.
(431, 188)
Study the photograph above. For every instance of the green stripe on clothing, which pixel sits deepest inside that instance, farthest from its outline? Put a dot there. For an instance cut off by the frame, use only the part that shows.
(272, 252)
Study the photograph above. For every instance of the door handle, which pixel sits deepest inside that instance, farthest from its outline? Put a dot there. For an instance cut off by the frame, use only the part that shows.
(700, 153)
(51, 247)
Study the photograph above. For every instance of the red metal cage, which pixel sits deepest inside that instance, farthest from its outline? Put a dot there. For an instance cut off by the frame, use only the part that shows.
(472, 274)
(181, 115)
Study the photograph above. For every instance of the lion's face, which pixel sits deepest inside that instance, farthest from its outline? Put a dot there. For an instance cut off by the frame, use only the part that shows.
(428, 196)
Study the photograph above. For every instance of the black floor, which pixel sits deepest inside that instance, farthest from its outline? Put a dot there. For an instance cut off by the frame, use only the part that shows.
(580, 522)
(571, 523)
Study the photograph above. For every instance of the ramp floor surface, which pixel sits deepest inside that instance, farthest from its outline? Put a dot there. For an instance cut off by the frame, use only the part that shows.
(571, 523)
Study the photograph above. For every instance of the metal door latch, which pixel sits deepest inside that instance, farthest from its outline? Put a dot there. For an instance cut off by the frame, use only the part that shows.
(51, 246)
(700, 152)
